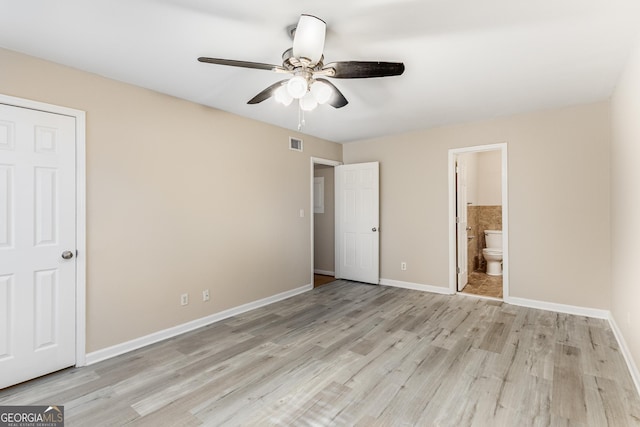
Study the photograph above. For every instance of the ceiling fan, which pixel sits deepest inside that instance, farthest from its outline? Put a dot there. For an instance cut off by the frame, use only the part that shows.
(304, 62)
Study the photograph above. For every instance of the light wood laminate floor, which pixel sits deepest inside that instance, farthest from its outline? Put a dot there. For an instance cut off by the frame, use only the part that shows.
(353, 354)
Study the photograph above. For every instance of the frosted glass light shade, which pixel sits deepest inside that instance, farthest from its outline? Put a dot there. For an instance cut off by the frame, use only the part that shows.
(283, 96)
(308, 102)
(297, 87)
(321, 91)
(308, 41)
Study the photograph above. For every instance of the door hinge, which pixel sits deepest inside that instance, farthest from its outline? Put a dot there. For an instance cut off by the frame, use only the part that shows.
(458, 270)
(457, 220)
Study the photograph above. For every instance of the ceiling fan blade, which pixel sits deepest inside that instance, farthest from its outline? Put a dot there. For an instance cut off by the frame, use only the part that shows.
(267, 93)
(365, 69)
(308, 40)
(243, 64)
(337, 99)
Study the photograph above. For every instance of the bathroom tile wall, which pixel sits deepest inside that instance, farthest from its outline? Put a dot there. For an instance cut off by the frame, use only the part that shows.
(481, 218)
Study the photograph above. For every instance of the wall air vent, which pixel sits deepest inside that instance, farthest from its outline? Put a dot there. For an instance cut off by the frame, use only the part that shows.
(295, 144)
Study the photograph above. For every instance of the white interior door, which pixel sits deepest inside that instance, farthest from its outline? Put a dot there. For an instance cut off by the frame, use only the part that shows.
(37, 243)
(461, 223)
(357, 217)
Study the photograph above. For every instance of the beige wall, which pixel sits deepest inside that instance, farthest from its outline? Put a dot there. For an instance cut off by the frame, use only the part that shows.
(484, 177)
(180, 198)
(625, 204)
(489, 177)
(324, 223)
(558, 201)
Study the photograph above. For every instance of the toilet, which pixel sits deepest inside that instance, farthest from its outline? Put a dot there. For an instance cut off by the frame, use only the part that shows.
(493, 252)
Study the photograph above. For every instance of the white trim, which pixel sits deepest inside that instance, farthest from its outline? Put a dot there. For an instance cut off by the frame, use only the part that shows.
(416, 286)
(316, 161)
(505, 212)
(81, 260)
(81, 240)
(327, 162)
(325, 272)
(560, 308)
(626, 353)
(125, 347)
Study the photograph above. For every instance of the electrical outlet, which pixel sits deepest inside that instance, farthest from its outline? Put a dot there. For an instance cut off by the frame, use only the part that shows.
(205, 295)
(403, 266)
(184, 299)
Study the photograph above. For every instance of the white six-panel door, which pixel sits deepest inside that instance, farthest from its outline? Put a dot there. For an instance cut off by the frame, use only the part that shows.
(357, 217)
(37, 225)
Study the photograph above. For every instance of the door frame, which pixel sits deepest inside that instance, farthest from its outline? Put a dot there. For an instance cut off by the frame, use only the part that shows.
(316, 161)
(461, 226)
(81, 247)
(505, 212)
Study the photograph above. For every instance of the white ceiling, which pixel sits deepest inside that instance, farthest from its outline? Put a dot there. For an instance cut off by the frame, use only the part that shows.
(465, 59)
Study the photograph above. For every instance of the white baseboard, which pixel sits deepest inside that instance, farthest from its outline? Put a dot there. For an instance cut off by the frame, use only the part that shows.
(415, 286)
(125, 347)
(633, 369)
(325, 272)
(560, 308)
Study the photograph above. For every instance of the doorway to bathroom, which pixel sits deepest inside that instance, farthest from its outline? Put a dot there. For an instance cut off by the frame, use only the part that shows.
(478, 221)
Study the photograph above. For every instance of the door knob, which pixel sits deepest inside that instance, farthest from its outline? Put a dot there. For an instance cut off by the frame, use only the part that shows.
(67, 255)
(374, 229)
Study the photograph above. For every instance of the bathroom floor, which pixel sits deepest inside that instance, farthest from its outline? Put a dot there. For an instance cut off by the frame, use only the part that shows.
(483, 284)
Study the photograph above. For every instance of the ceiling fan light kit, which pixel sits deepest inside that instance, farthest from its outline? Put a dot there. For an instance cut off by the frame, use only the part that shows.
(283, 96)
(297, 86)
(305, 62)
(308, 102)
(321, 91)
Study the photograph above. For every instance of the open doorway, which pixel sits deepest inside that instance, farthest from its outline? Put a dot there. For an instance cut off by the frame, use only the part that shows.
(478, 231)
(323, 221)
